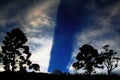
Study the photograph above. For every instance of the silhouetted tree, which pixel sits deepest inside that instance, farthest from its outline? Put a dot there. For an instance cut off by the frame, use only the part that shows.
(110, 61)
(35, 67)
(15, 53)
(88, 58)
(1, 57)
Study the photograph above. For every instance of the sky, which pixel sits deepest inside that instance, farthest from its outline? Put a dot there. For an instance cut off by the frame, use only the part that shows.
(55, 29)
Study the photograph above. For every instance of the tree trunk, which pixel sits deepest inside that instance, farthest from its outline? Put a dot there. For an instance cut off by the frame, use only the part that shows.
(109, 72)
(89, 72)
(13, 62)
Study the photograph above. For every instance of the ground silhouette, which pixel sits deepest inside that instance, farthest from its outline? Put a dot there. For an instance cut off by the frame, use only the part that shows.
(46, 76)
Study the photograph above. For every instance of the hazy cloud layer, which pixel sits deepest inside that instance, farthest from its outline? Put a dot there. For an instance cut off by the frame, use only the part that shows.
(37, 20)
(100, 29)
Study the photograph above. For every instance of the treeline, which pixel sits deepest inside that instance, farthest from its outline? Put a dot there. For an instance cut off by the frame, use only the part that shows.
(88, 58)
(15, 57)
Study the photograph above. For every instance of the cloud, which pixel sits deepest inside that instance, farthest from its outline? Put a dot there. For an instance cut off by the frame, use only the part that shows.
(39, 27)
(99, 30)
(102, 29)
(37, 20)
(41, 55)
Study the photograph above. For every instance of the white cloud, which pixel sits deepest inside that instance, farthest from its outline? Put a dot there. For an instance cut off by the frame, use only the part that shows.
(42, 55)
(39, 27)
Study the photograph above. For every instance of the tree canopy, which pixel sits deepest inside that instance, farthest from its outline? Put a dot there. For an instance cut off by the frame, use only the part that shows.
(110, 59)
(15, 52)
(88, 58)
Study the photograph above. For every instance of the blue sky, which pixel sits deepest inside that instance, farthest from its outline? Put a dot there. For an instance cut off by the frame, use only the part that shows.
(57, 28)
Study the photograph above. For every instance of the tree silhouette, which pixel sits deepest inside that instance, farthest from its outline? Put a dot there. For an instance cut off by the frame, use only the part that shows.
(1, 57)
(110, 61)
(88, 58)
(35, 67)
(15, 53)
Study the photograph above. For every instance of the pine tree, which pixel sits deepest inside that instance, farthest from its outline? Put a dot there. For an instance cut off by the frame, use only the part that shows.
(15, 52)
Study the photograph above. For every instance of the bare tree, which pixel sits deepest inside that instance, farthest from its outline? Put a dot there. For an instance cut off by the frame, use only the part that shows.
(110, 60)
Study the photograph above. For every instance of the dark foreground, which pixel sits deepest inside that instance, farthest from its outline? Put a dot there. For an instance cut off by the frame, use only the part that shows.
(44, 76)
